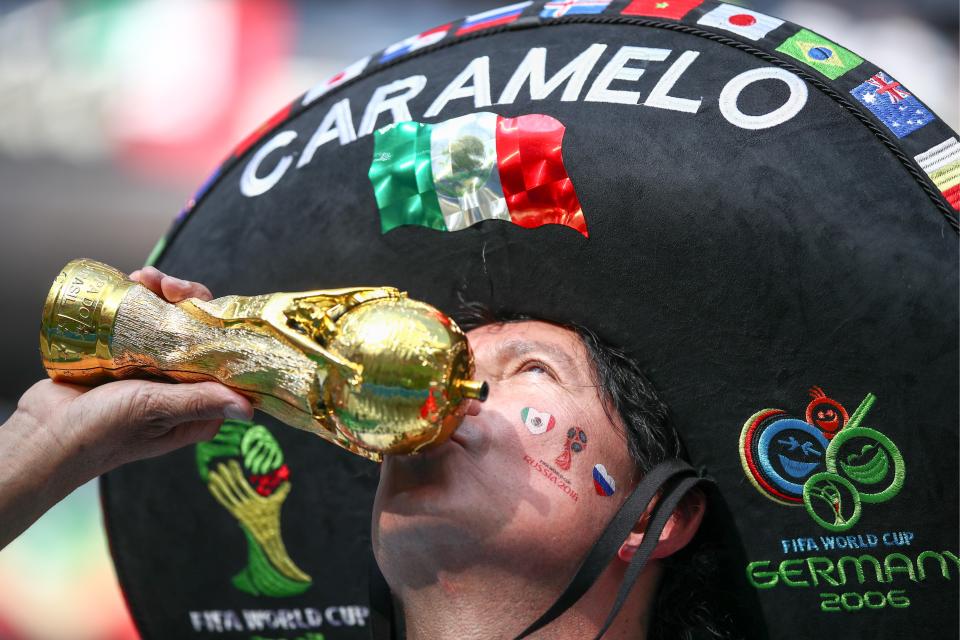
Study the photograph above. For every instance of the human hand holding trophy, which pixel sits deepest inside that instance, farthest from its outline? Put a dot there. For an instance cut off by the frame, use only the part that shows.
(368, 369)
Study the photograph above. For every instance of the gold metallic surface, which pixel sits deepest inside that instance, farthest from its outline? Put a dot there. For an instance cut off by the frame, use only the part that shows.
(366, 368)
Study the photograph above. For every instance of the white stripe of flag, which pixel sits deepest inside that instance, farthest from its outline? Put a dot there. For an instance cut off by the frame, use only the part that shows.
(939, 156)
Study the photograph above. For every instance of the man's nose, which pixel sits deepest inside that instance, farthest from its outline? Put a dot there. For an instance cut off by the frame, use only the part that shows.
(472, 407)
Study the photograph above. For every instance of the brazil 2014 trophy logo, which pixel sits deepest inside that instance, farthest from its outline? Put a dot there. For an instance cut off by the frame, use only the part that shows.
(828, 462)
(243, 468)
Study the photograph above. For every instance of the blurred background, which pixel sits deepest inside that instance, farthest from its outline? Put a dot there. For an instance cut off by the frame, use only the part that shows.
(112, 112)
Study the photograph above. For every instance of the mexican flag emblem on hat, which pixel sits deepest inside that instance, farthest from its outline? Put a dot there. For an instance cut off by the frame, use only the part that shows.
(760, 218)
(451, 175)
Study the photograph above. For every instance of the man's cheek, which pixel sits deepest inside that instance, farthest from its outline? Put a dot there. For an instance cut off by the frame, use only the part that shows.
(557, 459)
(545, 474)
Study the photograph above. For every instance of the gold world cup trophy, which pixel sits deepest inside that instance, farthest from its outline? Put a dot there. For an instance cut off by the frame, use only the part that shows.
(366, 368)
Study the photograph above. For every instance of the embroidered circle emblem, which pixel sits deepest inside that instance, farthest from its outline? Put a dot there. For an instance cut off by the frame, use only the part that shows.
(788, 451)
(831, 501)
(825, 413)
(870, 461)
(828, 463)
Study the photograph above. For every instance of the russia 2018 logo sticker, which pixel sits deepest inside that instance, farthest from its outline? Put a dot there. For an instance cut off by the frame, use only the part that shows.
(829, 462)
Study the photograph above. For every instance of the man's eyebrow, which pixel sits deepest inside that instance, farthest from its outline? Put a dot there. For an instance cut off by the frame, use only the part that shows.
(518, 347)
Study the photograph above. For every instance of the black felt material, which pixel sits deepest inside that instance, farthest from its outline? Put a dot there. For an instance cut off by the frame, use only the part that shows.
(739, 267)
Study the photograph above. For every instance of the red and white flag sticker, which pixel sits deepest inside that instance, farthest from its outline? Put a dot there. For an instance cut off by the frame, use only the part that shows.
(749, 24)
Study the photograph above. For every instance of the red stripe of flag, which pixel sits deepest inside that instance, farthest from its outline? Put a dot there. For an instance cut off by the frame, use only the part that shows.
(252, 138)
(953, 196)
(535, 183)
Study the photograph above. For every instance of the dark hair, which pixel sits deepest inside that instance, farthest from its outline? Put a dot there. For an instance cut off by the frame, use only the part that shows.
(684, 606)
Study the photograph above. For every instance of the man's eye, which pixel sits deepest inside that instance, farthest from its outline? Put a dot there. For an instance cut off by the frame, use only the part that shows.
(537, 367)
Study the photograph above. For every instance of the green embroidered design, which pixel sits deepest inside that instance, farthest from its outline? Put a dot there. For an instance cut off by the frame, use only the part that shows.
(865, 456)
(830, 488)
(244, 470)
(857, 460)
(260, 578)
(828, 462)
(261, 451)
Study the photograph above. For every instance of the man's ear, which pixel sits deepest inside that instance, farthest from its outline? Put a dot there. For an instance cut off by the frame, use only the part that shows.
(676, 534)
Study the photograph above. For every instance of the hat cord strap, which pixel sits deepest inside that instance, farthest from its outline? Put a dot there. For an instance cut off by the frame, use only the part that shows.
(672, 496)
(674, 478)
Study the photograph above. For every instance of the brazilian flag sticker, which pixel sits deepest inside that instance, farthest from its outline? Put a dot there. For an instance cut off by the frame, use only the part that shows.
(828, 58)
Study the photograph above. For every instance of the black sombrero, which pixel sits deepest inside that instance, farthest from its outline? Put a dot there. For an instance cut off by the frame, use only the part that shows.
(764, 220)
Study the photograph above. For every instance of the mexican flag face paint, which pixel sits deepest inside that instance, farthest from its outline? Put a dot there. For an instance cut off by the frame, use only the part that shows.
(537, 422)
(454, 174)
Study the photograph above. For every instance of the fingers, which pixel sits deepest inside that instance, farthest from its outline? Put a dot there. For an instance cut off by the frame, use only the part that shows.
(149, 277)
(165, 404)
(170, 288)
(139, 419)
(175, 289)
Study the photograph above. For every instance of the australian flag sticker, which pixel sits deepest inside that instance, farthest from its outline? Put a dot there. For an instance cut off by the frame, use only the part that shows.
(897, 108)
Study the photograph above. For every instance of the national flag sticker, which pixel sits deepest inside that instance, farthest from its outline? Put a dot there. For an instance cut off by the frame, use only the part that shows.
(942, 164)
(413, 43)
(492, 18)
(560, 8)
(752, 25)
(454, 174)
(672, 9)
(603, 482)
(335, 80)
(828, 58)
(537, 422)
(892, 104)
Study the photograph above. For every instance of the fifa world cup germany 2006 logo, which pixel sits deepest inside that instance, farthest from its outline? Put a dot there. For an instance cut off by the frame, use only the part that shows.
(244, 470)
(829, 462)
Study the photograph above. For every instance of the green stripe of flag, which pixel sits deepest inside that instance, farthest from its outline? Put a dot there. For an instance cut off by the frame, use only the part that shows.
(402, 176)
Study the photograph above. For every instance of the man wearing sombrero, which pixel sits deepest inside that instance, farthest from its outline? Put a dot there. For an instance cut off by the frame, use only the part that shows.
(761, 220)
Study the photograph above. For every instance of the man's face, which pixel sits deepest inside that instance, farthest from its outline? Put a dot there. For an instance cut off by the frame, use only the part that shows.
(529, 479)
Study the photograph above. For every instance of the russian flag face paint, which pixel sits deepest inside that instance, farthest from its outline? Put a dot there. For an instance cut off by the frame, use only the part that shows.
(603, 482)
(537, 422)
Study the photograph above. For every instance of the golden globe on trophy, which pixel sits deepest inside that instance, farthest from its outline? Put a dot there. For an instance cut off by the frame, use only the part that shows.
(366, 368)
